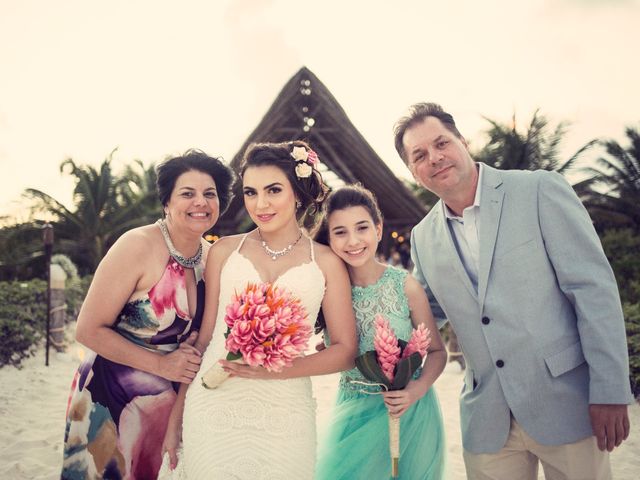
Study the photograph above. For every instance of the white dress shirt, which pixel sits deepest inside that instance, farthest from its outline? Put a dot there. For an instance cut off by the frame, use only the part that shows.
(465, 233)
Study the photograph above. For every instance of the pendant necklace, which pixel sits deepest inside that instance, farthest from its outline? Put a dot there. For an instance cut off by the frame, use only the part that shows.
(186, 262)
(274, 254)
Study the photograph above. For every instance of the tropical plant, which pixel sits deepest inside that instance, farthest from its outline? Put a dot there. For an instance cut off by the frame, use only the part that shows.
(534, 149)
(22, 319)
(137, 184)
(611, 192)
(622, 247)
(105, 206)
(21, 252)
(632, 324)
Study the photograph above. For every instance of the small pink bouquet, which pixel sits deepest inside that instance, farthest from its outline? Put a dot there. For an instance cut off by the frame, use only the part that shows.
(391, 365)
(266, 326)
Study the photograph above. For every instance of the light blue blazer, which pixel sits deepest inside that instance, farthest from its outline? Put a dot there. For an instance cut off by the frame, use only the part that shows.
(543, 335)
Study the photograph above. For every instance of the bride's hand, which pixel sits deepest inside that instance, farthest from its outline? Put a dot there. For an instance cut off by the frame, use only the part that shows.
(171, 443)
(242, 370)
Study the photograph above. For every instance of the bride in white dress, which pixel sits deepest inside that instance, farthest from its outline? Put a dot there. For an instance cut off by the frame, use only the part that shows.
(261, 425)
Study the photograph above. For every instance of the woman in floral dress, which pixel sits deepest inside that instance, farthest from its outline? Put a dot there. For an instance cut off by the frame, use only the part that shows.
(139, 321)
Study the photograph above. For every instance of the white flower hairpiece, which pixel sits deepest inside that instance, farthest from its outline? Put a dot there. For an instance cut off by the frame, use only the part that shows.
(305, 159)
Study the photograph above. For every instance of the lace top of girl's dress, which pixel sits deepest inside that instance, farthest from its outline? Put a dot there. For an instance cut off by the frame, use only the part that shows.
(386, 297)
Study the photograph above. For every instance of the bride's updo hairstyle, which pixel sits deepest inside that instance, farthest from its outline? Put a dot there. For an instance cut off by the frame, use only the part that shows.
(299, 163)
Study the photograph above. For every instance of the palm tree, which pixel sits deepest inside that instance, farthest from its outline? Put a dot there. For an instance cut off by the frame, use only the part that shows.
(612, 191)
(137, 184)
(21, 251)
(536, 148)
(105, 206)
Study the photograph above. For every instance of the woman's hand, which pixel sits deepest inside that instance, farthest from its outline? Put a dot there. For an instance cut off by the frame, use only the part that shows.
(399, 401)
(171, 442)
(242, 370)
(182, 364)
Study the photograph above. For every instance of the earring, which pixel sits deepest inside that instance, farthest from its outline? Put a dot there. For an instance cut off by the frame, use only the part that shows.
(298, 204)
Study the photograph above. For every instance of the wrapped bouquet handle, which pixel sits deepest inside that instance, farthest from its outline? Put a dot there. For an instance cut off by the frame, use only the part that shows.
(214, 377)
(392, 364)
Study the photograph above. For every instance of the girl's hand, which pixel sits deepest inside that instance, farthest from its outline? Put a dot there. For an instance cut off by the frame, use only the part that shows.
(399, 401)
(242, 370)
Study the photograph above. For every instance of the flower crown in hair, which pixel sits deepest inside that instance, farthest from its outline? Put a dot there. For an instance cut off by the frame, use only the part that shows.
(305, 161)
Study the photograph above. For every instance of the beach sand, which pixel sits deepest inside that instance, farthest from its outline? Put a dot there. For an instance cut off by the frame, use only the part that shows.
(33, 403)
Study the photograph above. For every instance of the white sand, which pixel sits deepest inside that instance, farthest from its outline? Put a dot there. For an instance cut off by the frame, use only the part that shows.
(33, 403)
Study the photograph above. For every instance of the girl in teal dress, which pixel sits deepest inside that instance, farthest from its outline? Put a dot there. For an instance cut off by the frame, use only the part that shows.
(356, 443)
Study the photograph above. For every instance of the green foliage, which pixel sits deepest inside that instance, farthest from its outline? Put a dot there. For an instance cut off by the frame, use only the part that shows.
(75, 292)
(632, 323)
(22, 319)
(612, 191)
(21, 252)
(105, 206)
(535, 148)
(622, 247)
(23, 315)
(368, 365)
(370, 368)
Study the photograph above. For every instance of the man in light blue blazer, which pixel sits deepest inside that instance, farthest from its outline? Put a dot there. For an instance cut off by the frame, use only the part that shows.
(514, 263)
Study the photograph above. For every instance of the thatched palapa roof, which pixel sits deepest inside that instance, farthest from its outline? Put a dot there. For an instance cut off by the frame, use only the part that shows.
(305, 109)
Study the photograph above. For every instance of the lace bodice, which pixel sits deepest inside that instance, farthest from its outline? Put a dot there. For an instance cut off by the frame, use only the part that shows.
(386, 297)
(268, 418)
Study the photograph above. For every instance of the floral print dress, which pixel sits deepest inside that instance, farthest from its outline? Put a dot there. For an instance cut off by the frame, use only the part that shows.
(117, 415)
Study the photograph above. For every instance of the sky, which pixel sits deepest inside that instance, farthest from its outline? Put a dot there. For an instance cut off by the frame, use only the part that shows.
(153, 78)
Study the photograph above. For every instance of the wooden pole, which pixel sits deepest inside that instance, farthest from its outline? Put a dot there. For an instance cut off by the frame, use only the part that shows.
(47, 238)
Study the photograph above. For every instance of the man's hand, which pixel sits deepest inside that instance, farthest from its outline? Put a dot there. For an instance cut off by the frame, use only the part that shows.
(610, 424)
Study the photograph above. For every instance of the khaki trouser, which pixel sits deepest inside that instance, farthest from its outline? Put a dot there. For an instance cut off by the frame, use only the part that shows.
(518, 460)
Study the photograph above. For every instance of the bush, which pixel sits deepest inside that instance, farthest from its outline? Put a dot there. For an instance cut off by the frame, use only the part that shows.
(22, 319)
(632, 323)
(74, 294)
(23, 315)
(622, 247)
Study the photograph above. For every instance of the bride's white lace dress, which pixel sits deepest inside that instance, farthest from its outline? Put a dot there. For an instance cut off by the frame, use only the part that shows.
(253, 429)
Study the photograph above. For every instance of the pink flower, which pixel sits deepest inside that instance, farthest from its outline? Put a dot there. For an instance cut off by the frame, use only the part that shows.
(254, 355)
(386, 346)
(312, 157)
(170, 292)
(262, 328)
(419, 342)
(239, 335)
(267, 325)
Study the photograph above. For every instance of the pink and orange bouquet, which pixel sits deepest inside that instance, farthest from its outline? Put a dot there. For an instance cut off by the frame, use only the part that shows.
(266, 326)
(391, 365)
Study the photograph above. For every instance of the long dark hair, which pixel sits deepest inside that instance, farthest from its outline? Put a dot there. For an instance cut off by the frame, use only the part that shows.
(341, 199)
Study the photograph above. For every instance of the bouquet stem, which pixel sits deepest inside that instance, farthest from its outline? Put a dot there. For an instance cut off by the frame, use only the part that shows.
(394, 445)
(214, 377)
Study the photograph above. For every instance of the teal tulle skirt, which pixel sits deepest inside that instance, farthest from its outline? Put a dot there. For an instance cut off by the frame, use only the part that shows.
(356, 443)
